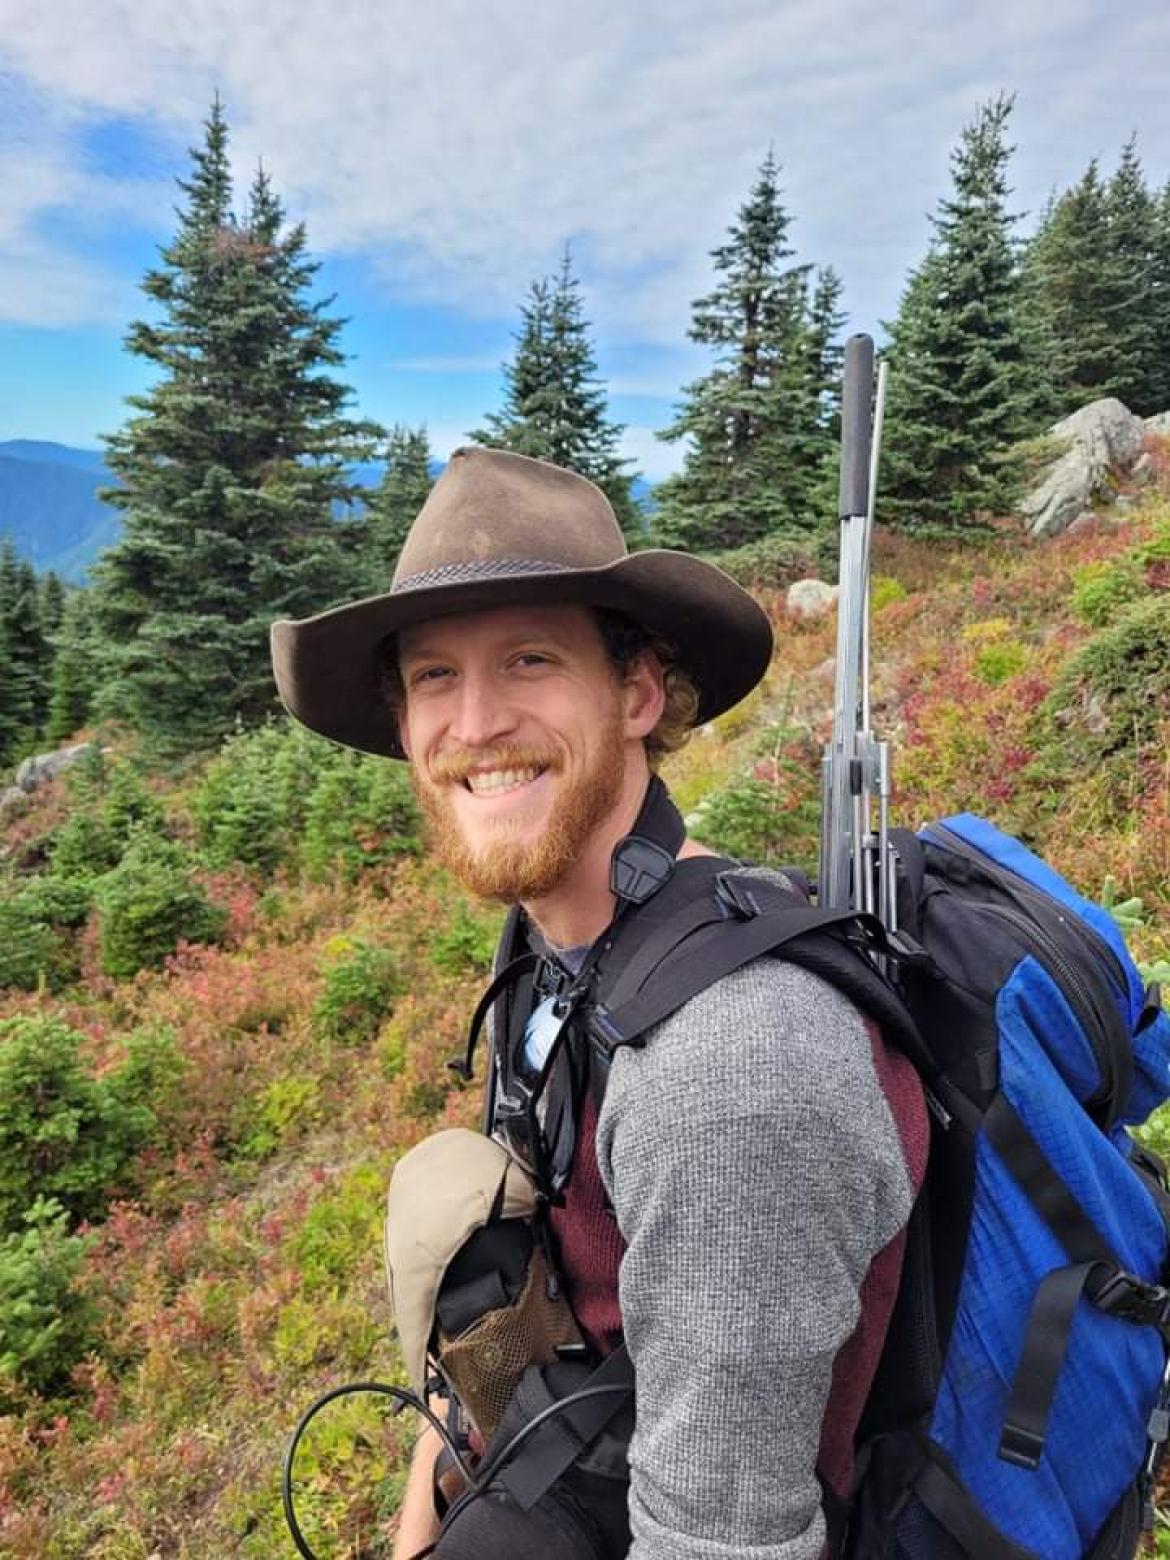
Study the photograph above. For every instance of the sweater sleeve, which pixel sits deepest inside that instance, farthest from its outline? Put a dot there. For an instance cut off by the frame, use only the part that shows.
(755, 1170)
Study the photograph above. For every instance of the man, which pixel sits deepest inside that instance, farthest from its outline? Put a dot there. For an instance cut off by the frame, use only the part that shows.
(737, 1210)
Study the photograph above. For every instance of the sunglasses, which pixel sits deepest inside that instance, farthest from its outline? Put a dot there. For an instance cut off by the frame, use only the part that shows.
(537, 1096)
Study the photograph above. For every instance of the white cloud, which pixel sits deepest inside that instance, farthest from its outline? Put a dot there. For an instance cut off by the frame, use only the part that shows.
(457, 146)
(651, 457)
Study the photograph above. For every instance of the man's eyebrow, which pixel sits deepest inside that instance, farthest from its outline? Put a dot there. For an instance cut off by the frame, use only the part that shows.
(425, 651)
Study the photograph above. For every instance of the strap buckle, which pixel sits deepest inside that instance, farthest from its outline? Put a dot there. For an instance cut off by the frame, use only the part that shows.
(1022, 1448)
(1134, 1300)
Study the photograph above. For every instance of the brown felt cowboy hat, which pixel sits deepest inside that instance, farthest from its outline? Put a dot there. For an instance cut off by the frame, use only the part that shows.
(504, 530)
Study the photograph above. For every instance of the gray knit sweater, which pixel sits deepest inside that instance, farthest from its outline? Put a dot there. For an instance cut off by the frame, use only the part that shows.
(756, 1169)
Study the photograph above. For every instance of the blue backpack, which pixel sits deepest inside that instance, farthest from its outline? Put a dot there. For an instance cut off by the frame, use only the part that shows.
(1023, 1397)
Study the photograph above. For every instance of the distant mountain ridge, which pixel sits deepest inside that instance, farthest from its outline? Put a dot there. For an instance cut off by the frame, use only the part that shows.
(50, 508)
(49, 504)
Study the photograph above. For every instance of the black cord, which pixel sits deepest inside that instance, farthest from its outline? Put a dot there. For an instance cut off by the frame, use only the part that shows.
(403, 1399)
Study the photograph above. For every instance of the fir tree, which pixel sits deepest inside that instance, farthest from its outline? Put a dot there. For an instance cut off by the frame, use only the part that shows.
(52, 604)
(1160, 303)
(76, 669)
(554, 406)
(759, 424)
(397, 499)
(1131, 234)
(23, 657)
(962, 389)
(230, 467)
(1081, 293)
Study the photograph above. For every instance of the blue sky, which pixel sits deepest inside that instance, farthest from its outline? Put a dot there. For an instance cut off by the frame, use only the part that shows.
(441, 156)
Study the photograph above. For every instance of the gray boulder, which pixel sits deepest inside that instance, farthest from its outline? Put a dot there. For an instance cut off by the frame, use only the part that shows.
(43, 767)
(12, 800)
(1159, 424)
(810, 598)
(1103, 440)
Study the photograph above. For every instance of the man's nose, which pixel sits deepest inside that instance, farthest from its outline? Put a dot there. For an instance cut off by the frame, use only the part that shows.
(483, 713)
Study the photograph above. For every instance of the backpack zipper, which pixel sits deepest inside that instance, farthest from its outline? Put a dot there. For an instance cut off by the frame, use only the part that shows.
(1096, 1011)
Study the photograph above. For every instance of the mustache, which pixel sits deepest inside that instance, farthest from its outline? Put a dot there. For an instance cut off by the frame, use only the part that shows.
(455, 767)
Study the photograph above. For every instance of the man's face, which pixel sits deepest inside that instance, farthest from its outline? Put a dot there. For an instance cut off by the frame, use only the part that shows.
(516, 723)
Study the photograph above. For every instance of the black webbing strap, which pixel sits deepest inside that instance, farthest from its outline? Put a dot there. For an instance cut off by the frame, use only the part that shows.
(1025, 1420)
(659, 944)
(558, 1442)
(1043, 1186)
(747, 940)
(955, 1510)
(1094, 1274)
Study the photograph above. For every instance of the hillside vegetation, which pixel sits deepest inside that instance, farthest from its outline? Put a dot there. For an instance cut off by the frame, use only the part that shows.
(231, 992)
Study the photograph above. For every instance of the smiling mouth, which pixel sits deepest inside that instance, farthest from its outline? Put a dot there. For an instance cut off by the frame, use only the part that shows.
(494, 782)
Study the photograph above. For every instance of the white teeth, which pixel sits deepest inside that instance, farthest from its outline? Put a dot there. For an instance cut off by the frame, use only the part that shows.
(500, 780)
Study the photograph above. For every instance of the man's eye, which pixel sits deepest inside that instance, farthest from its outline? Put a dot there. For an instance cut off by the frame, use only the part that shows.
(428, 674)
(532, 658)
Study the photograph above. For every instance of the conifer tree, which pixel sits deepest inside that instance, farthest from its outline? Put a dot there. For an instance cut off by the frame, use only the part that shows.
(962, 389)
(1131, 232)
(52, 604)
(23, 657)
(230, 467)
(1160, 303)
(396, 500)
(554, 406)
(1081, 291)
(76, 669)
(758, 424)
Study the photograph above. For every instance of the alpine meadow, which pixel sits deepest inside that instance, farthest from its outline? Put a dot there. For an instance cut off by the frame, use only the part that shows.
(231, 981)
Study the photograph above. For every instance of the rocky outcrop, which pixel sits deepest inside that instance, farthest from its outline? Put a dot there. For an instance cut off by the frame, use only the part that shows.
(12, 800)
(37, 771)
(810, 598)
(1159, 425)
(1103, 440)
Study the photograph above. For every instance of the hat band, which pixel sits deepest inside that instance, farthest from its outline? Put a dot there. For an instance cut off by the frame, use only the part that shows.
(479, 569)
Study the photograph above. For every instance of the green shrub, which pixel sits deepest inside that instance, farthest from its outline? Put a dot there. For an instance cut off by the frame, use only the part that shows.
(340, 1231)
(1102, 590)
(155, 1075)
(127, 806)
(285, 1105)
(773, 561)
(237, 811)
(32, 953)
(755, 820)
(63, 1132)
(467, 942)
(1112, 696)
(46, 1326)
(995, 663)
(148, 904)
(361, 812)
(885, 590)
(83, 847)
(58, 901)
(360, 985)
(39, 917)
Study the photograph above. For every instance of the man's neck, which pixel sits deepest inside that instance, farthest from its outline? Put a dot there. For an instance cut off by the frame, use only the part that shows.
(582, 905)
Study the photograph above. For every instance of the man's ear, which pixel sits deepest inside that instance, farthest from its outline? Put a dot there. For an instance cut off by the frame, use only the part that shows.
(644, 691)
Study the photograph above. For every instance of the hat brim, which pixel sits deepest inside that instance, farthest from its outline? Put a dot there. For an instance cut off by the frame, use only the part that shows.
(328, 667)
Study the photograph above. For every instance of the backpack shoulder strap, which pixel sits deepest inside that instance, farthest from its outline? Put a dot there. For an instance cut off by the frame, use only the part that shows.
(741, 918)
(512, 945)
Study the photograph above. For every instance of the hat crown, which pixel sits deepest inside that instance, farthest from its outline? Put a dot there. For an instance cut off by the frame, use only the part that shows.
(495, 512)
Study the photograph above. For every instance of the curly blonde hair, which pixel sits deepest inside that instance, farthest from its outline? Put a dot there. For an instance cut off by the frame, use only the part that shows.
(624, 639)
